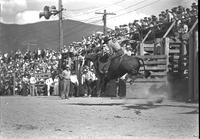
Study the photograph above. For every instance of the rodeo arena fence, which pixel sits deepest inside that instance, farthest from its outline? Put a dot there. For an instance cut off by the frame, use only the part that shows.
(167, 44)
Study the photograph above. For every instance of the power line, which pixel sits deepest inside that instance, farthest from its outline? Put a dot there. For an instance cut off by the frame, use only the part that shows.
(90, 18)
(133, 5)
(90, 8)
(136, 9)
(97, 9)
(104, 19)
(117, 10)
(97, 21)
(75, 10)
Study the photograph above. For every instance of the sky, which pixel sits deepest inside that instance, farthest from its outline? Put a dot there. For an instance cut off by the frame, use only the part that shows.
(27, 11)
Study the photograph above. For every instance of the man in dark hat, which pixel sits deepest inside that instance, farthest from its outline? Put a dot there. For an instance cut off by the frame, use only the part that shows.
(113, 45)
(115, 50)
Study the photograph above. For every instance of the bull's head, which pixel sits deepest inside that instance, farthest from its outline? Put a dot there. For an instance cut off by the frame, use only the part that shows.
(91, 57)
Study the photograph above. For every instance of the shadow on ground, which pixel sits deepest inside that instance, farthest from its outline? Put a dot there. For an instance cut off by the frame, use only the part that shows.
(96, 104)
(152, 106)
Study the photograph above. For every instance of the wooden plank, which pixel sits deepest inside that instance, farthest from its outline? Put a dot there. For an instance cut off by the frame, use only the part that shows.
(169, 29)
(153, 57)
(151, 49)
(176, 57)
(151, 45)
(163, 62)
(174, 51)
(164, 73)
(192, 28)
(146, 36)
(141, 49)
(175, 45)
(155, 68)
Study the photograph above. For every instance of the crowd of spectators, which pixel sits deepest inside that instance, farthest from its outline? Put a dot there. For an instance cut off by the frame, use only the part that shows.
(22, 66)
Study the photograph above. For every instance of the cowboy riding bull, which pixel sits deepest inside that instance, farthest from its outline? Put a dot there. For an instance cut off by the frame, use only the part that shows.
(109, 67)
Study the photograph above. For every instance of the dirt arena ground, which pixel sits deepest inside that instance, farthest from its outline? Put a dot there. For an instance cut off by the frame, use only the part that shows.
(53, 118)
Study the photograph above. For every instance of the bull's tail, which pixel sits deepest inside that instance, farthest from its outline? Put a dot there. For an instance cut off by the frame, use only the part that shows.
(146, 73)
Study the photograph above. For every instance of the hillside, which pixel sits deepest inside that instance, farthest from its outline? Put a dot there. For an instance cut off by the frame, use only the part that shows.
(42, 34)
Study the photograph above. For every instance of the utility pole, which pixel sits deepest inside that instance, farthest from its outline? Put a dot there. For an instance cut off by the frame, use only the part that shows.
(104, 20)
(60, 8)
(47, 13)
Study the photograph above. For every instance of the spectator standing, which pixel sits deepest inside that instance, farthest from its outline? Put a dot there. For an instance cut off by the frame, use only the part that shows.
(56, 86)
(66, 82)
(32, 86)
(49, 83)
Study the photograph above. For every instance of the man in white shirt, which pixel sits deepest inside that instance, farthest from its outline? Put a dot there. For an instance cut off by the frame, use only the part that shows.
(49, 83)
(88, 78)
(32, 86)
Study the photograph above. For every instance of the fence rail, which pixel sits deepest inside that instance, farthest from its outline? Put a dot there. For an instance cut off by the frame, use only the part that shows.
(157, 65)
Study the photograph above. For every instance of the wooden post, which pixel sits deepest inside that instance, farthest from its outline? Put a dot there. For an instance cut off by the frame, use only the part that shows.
(141, 49)
(60, 6)
(146, 36)
(142, 43)
(180, 61)
(191, 66)
(162, 49)
(169, 29)
(154, 47)
(166, 52)
(192, 28)
(105, 20)
(196, 66)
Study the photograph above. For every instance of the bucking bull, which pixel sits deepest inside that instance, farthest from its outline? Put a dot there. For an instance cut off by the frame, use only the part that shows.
(118, 67)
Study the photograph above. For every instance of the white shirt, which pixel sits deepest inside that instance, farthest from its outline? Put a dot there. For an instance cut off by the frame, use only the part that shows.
(74, 79)
(90, 76)
(114, 45)
(49, 81)
(32, 80)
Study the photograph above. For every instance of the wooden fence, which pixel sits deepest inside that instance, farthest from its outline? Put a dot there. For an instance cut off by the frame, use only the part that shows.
(157, 65)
